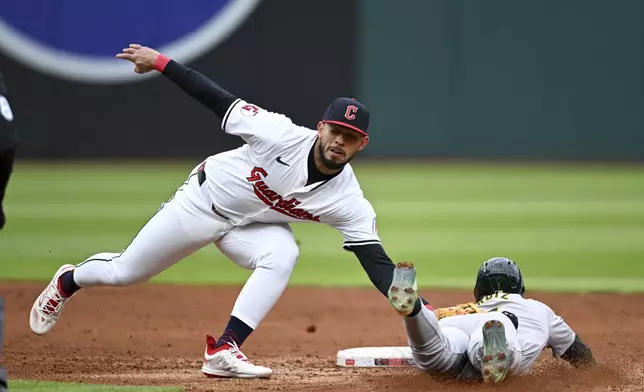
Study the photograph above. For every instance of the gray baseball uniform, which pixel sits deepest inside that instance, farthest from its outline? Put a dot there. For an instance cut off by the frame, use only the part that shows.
(443, 346)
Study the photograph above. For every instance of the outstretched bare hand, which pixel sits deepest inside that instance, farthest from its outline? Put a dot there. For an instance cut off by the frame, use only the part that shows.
(142, 57)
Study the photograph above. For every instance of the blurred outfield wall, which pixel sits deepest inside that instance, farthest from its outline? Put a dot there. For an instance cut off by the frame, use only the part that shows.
(443, 78)
(504, 78)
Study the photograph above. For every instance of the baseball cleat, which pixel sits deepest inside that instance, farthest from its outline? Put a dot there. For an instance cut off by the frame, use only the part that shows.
(496, 354)
(227, 360)
(49, 304)
(403, 291)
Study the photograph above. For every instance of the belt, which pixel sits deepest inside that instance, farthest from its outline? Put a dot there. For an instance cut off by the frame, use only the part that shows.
(201, 177)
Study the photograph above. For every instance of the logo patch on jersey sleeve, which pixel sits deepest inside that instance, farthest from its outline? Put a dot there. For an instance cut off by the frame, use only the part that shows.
(374, 227)
(249, 110)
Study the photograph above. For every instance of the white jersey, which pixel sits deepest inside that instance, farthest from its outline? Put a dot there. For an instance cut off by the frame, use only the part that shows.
(265, 180)
(539, 326)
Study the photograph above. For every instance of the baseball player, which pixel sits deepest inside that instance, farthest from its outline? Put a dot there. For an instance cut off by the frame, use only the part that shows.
(242, 200)
(4, 383)
(500, 333)
(8, 144)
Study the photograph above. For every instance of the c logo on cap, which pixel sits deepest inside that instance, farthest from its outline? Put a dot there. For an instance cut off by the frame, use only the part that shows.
(350, 114)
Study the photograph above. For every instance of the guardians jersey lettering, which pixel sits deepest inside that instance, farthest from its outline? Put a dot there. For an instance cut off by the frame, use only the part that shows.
(275, 200)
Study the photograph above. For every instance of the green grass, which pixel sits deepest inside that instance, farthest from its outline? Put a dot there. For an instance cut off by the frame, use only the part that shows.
(31, 386)
(571, 227)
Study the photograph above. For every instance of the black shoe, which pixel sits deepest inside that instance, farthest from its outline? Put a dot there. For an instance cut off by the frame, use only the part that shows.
(3, 220)
(3, 380)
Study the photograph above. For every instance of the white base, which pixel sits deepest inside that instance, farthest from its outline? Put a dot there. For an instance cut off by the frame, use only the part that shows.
(375, 357)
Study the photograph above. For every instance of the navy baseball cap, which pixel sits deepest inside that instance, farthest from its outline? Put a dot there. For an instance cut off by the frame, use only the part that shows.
(349, 113)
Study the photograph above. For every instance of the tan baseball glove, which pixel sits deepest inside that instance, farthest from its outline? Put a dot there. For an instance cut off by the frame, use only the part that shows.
(457, 310)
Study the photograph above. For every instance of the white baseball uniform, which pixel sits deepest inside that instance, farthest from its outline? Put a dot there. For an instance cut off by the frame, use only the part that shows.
(243, 202)
(440, 345)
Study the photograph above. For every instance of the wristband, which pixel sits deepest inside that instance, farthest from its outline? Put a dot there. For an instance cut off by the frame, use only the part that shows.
(161, 62)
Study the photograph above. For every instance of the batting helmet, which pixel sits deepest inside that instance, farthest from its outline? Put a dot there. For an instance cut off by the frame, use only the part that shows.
(498, 274)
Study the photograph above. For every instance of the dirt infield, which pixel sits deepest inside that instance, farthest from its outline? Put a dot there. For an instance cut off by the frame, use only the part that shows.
(155, 335)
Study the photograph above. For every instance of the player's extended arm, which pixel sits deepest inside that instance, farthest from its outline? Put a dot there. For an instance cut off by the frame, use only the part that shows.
(579, 354)
(379, 267)
(198, 86)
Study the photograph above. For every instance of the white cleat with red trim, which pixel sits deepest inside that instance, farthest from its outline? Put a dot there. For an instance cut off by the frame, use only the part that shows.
(228, 361)
(49, 304)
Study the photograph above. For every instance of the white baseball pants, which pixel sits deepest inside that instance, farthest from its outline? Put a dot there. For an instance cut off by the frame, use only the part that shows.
(440, 346)
(187, 223)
